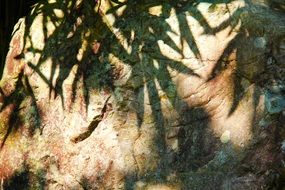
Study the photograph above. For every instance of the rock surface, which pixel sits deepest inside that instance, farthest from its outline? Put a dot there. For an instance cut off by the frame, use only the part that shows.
(145, 95)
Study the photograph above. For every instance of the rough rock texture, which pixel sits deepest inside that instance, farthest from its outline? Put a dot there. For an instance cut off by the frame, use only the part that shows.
(145, 95)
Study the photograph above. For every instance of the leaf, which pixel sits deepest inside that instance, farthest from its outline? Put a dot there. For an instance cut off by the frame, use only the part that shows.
(212, 8)
(114, 9)
(117, 2)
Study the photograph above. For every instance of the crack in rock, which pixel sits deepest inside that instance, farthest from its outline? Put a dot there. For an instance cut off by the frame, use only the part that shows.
(93, 124)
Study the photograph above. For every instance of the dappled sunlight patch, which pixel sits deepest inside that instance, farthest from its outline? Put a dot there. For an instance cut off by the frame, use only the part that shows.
(185, 51)
(168, 52)
(50, 27)
(36, 38)
(82, 49)
(121, 72)
(58, 13)
(175, 37)
(47, 79)
(173, 23)
(237, 128)
(156, 10)
(140, 185)
(222, 11)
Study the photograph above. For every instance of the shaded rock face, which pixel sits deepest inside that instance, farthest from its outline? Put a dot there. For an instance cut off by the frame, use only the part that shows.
(145, 95)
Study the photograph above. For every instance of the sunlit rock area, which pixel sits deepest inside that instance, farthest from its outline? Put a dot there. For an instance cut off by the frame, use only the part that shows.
(145, 94)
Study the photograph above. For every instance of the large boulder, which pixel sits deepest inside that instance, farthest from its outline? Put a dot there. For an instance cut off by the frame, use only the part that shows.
(145, 95)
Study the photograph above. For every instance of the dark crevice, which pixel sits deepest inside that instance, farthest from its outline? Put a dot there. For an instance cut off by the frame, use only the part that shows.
(93, 124)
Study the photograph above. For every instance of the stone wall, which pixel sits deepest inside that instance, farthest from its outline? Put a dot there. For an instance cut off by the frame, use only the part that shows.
(145, 95)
